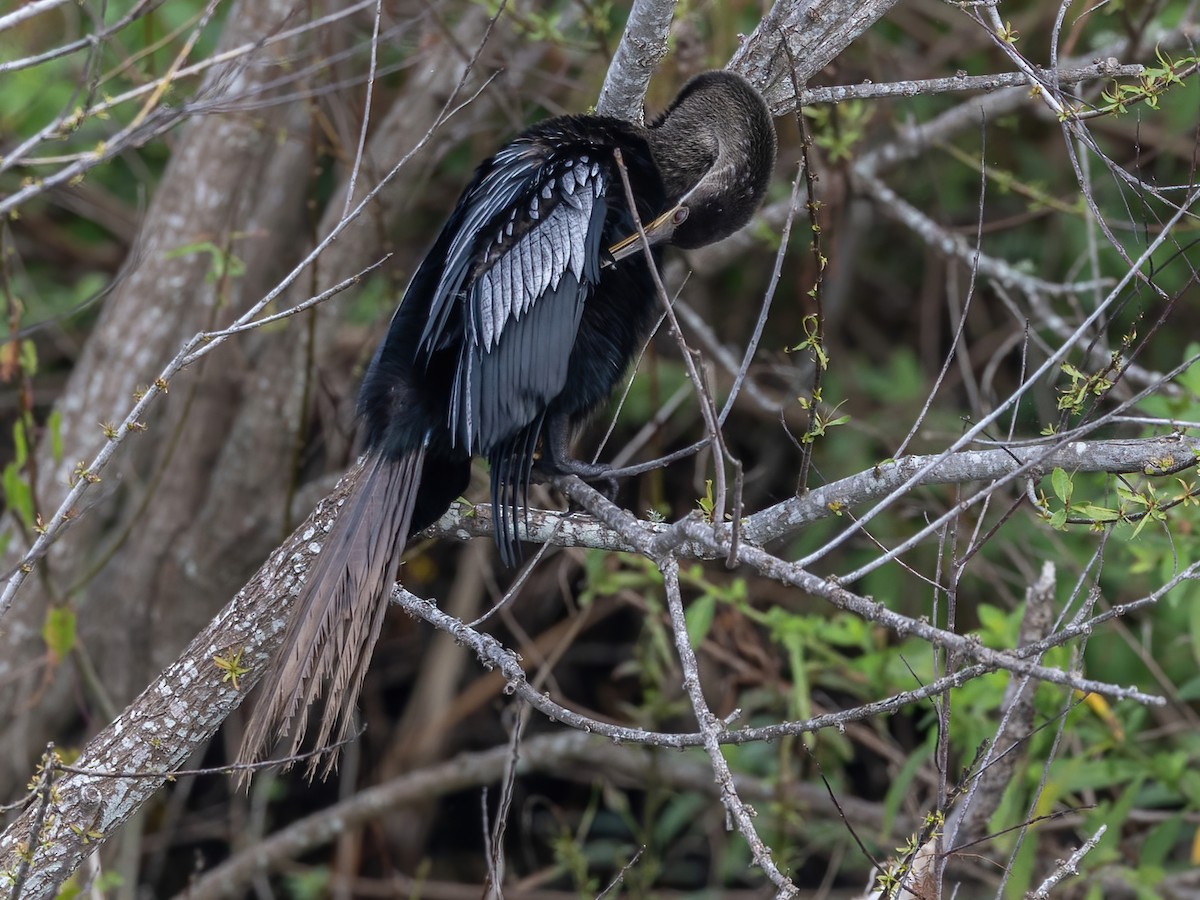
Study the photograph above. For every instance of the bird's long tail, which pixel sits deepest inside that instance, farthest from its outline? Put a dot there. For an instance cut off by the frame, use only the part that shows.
(336, 618)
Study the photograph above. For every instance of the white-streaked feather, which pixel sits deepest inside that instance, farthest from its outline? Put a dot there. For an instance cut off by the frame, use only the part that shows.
(526, 265)
(487, 313)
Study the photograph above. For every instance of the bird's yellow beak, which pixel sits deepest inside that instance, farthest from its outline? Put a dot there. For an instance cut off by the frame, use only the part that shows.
(659, 231)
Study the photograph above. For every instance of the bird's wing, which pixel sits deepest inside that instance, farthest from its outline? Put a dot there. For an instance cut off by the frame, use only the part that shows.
(522, 260)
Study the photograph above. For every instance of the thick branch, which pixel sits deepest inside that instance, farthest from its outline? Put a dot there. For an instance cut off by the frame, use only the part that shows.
(1153, 456)
(815, 32)
(185, 705)
(643, 46)
(164, 726)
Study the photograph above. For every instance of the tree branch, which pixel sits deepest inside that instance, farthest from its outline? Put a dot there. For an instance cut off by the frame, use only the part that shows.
(816, 31)
(643, 46)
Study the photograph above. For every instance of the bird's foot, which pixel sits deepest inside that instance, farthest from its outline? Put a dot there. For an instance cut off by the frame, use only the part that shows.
(597, 473)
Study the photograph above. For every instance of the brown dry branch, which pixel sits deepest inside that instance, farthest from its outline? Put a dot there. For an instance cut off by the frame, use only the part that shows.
(956, 246)
(161, 729)
(466, 770)
(914, 139)
(212, 95)
(144, 321)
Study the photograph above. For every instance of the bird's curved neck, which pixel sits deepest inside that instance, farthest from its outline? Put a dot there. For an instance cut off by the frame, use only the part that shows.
(685, 149)
(714, 148)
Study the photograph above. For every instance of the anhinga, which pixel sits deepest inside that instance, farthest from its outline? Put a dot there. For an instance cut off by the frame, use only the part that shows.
(515, 327)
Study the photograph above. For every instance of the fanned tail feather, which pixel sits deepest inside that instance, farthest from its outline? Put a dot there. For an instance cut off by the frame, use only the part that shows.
(512, 465)
(338, 614)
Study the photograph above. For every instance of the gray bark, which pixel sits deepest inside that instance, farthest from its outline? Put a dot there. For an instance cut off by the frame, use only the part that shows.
(797, 39)
(192, 506)
(229, 173)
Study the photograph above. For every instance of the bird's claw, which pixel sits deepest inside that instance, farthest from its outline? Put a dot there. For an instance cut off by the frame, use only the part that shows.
(597, 474)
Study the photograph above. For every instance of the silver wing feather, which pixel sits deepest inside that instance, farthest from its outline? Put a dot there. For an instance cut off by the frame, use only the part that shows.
(522, 310)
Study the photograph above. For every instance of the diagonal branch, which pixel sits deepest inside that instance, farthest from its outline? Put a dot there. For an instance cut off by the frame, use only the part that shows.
(643, 46)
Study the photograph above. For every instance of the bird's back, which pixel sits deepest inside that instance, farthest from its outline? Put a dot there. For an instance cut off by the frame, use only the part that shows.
(565, 328)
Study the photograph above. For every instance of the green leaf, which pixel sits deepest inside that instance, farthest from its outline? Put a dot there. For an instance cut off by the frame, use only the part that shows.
(20, 445)
(54, 423)
(1129, 496)
(59, 631)
(17, 495)
(699, 618)
(900, 792)
(1061, 482)
(29, 360)
(1160, 843)
(1142, 523)
(309, 884)
(1073, 372)
(1194, 626)
(1099, 513)
(997, 623)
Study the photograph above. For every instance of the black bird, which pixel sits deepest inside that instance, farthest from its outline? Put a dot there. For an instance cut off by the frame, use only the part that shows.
(515, 327)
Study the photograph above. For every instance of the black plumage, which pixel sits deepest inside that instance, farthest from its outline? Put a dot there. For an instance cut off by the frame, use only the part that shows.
(515, 327)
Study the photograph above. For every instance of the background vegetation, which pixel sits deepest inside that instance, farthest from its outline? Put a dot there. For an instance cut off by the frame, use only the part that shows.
(165, 165)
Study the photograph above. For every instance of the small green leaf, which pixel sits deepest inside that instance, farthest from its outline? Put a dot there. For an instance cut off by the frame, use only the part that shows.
(706, 503)
(308, 884)
(699, 617)
(1073, 373)
(1098, 513)
(59, 631)
(17, 495)
(54, 424)
(29, 360)
(1142, 522)
(1129, 496)
(20, 445)
(1061, 482)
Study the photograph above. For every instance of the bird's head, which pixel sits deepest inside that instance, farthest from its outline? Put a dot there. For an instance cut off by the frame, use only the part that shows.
(715, 149)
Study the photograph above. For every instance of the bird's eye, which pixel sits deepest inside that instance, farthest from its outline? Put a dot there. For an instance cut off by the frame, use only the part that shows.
(680, 216)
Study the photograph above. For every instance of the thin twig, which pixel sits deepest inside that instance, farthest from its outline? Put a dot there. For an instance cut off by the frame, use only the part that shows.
(1070, 866)
(44, 791)
(89, 474)
(707, 406)
(1108, 68)
(710, 728)
(366, 119)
